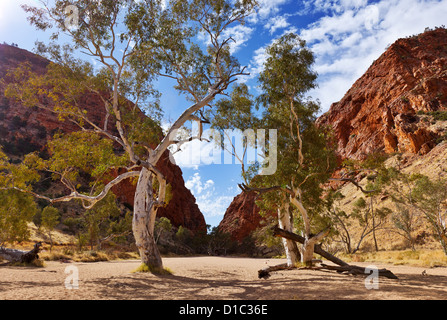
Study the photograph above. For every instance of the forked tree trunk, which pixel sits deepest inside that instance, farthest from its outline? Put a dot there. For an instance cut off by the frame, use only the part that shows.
(317, 248)
(143, 222)
(290, 247)
(310, 239)
(309, 246)
(308, 251)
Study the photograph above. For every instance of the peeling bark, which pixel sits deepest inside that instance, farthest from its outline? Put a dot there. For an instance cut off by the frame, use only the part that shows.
(290, 247)
(145, 212)
(309, 239)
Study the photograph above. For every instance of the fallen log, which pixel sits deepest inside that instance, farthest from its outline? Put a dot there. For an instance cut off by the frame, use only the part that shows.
(342, 267)
(318, 250)
(265, 273)
(14, 256)
(356, 270)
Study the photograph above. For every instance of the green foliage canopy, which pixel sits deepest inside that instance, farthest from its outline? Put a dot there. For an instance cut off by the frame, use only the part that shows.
(16, 210)
(305, 158)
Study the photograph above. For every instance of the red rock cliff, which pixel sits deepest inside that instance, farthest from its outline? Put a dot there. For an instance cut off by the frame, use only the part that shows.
(384, 110)
(24, 130)
(242, 217)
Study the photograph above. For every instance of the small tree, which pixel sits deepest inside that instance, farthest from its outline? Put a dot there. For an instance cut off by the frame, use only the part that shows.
(340, 220)
(105, 222)
(369, 219)
(162, 225)
(431, 199)
(378, 176)
(219, 242)
(362, 215)
(183, 235)
(50, 219)
(16, 210)
(405, 219)
(416, 196)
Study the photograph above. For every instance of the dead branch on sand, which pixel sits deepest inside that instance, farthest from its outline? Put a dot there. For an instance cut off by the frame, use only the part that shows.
(342, 267)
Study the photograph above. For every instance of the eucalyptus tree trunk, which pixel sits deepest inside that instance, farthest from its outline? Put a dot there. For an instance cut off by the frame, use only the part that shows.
(308, 251)
(310, 239)
(145, 211)
(290, 247)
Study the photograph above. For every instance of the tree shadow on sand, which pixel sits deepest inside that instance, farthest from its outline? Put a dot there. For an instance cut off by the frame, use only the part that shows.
(292, 286)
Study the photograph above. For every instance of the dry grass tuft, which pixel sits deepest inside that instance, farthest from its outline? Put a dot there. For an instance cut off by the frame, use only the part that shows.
(144, 268)
(418, 258)
(86, 256)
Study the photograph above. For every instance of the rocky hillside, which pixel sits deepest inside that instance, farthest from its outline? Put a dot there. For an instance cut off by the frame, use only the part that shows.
(432, 165)
(241, 217)
(24, 130)
(398, 106)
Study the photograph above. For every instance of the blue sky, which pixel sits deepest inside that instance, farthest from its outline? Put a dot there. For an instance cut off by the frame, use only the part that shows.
(345, 35)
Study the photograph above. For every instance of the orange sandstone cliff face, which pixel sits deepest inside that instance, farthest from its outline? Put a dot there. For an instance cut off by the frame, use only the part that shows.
(242, 217)
(24, 130)
(387, 109)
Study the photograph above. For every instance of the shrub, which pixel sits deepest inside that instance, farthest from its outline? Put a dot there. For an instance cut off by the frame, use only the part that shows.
(439, 115)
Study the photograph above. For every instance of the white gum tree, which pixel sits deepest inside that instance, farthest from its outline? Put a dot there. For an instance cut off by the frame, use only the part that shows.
(133, 43)
(305, 159)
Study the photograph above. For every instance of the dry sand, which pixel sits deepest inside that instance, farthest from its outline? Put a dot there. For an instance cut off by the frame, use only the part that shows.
(214, 278)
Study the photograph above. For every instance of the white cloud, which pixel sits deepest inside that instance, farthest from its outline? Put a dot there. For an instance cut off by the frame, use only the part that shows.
(197, 153)
(256, 65)
(275, 23)
(266, 9)
(215, 206)
(240, 34)
(196, 185)
(210, 203)
(333, 5)
(332, 90)
(354, 33)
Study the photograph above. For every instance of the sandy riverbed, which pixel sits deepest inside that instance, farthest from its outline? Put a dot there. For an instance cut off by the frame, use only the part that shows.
(209, 278)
